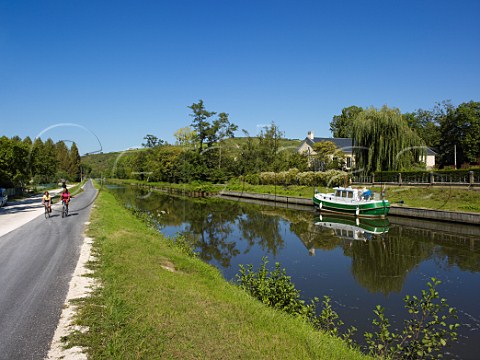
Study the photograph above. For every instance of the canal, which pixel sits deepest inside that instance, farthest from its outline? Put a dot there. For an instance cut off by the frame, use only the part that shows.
(358, 264)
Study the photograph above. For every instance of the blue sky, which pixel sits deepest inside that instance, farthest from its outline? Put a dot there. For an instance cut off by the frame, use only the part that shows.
(119, 70)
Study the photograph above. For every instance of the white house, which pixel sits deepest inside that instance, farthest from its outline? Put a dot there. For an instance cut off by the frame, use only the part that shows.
(343, 144)
(429, 159)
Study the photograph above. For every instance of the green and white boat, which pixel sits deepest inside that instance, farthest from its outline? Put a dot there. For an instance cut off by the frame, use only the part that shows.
(356, 202)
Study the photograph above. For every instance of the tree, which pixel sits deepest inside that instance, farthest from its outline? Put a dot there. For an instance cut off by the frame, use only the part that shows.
(269, 140)
(152, 141)
(185, 136)
(426, 124)
(63, 159)
(383, 141)
(200, 122)
(210, 133)
(27, 141)
(325, 153)
(468, 119)
(460, 131)
(13, 162)
(74, 170)
(222, 128)
(44, 160)
(341, 125)
(139, 164)
(248, 162)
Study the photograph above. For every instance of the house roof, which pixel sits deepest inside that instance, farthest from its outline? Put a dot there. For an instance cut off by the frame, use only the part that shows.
(345, 144)
(341, 143)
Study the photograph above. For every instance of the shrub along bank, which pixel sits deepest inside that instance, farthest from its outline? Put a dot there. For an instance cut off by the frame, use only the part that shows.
(156, 301)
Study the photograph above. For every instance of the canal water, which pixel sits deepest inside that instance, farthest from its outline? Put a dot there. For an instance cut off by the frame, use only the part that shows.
(358, 264)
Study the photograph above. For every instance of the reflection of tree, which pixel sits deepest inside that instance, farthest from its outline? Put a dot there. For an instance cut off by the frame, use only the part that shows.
(209, 221)
(302, 225)
(262, 229)
(213, 224)
(382, 265)
(464, 254)
(313, 236)
(453, 244)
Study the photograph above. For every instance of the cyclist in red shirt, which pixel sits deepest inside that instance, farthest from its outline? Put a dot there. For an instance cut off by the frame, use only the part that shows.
(65, 196)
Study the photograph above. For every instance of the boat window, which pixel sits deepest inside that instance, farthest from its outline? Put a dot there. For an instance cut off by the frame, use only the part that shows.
(338, 193)
(350, 194)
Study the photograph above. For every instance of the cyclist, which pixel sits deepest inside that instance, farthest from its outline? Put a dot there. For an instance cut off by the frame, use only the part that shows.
(47, 200)
(65, 197)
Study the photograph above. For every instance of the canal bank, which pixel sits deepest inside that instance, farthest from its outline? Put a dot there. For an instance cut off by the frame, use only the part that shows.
(396, 210)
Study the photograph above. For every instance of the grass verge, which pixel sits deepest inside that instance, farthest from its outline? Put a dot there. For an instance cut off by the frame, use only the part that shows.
(444, 198)
(156, 302)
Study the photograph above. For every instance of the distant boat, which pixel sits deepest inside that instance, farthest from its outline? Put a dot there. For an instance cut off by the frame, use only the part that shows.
(351, 201)
(349, 228)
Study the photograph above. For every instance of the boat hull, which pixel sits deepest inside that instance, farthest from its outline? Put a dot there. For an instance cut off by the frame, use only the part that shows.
(372, 208)
(374, 226)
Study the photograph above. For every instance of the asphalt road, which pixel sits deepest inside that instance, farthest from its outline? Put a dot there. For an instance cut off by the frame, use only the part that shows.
(36, 263)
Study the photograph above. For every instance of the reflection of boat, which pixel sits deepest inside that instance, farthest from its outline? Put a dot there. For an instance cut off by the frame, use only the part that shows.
(352, 201)
(354, 228)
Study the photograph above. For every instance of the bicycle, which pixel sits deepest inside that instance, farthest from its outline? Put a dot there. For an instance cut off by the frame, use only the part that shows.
(47, 211)
(64, 209)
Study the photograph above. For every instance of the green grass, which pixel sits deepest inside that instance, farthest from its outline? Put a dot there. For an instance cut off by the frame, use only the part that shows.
(291, 190)
(445, 198)
(145, 311)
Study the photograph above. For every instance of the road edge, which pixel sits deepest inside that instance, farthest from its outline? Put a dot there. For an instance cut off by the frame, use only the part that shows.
(81, 285)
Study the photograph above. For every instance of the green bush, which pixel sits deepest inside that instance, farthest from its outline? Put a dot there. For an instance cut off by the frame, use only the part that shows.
(425, 333)
(294, 177)
(276, 289)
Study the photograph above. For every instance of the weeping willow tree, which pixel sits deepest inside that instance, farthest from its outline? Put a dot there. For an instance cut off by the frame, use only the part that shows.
(383, 141)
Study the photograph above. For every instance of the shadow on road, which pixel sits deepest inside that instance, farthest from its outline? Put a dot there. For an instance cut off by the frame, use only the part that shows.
(72, 214)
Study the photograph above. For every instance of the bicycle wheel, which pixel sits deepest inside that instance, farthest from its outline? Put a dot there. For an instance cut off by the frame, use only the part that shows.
(47, 214)
(64, 209)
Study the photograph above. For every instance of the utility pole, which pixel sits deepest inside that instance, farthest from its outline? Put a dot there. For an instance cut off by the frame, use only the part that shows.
(455, 155)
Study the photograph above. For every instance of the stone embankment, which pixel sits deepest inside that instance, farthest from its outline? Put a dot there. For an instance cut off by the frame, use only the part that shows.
(404, 211)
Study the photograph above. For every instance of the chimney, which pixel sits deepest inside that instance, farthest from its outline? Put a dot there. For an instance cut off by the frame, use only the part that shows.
(310, 135)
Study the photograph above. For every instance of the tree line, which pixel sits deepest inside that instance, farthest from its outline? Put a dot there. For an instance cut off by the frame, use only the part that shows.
(383, 139)
(25, 162)
(205, 151)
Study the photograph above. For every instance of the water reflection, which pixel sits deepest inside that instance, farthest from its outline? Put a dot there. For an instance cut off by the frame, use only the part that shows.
(352, 228)
(379, 263)
(360, 263)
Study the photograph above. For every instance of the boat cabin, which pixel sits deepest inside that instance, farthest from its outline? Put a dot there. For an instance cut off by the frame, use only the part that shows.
(353, 194)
